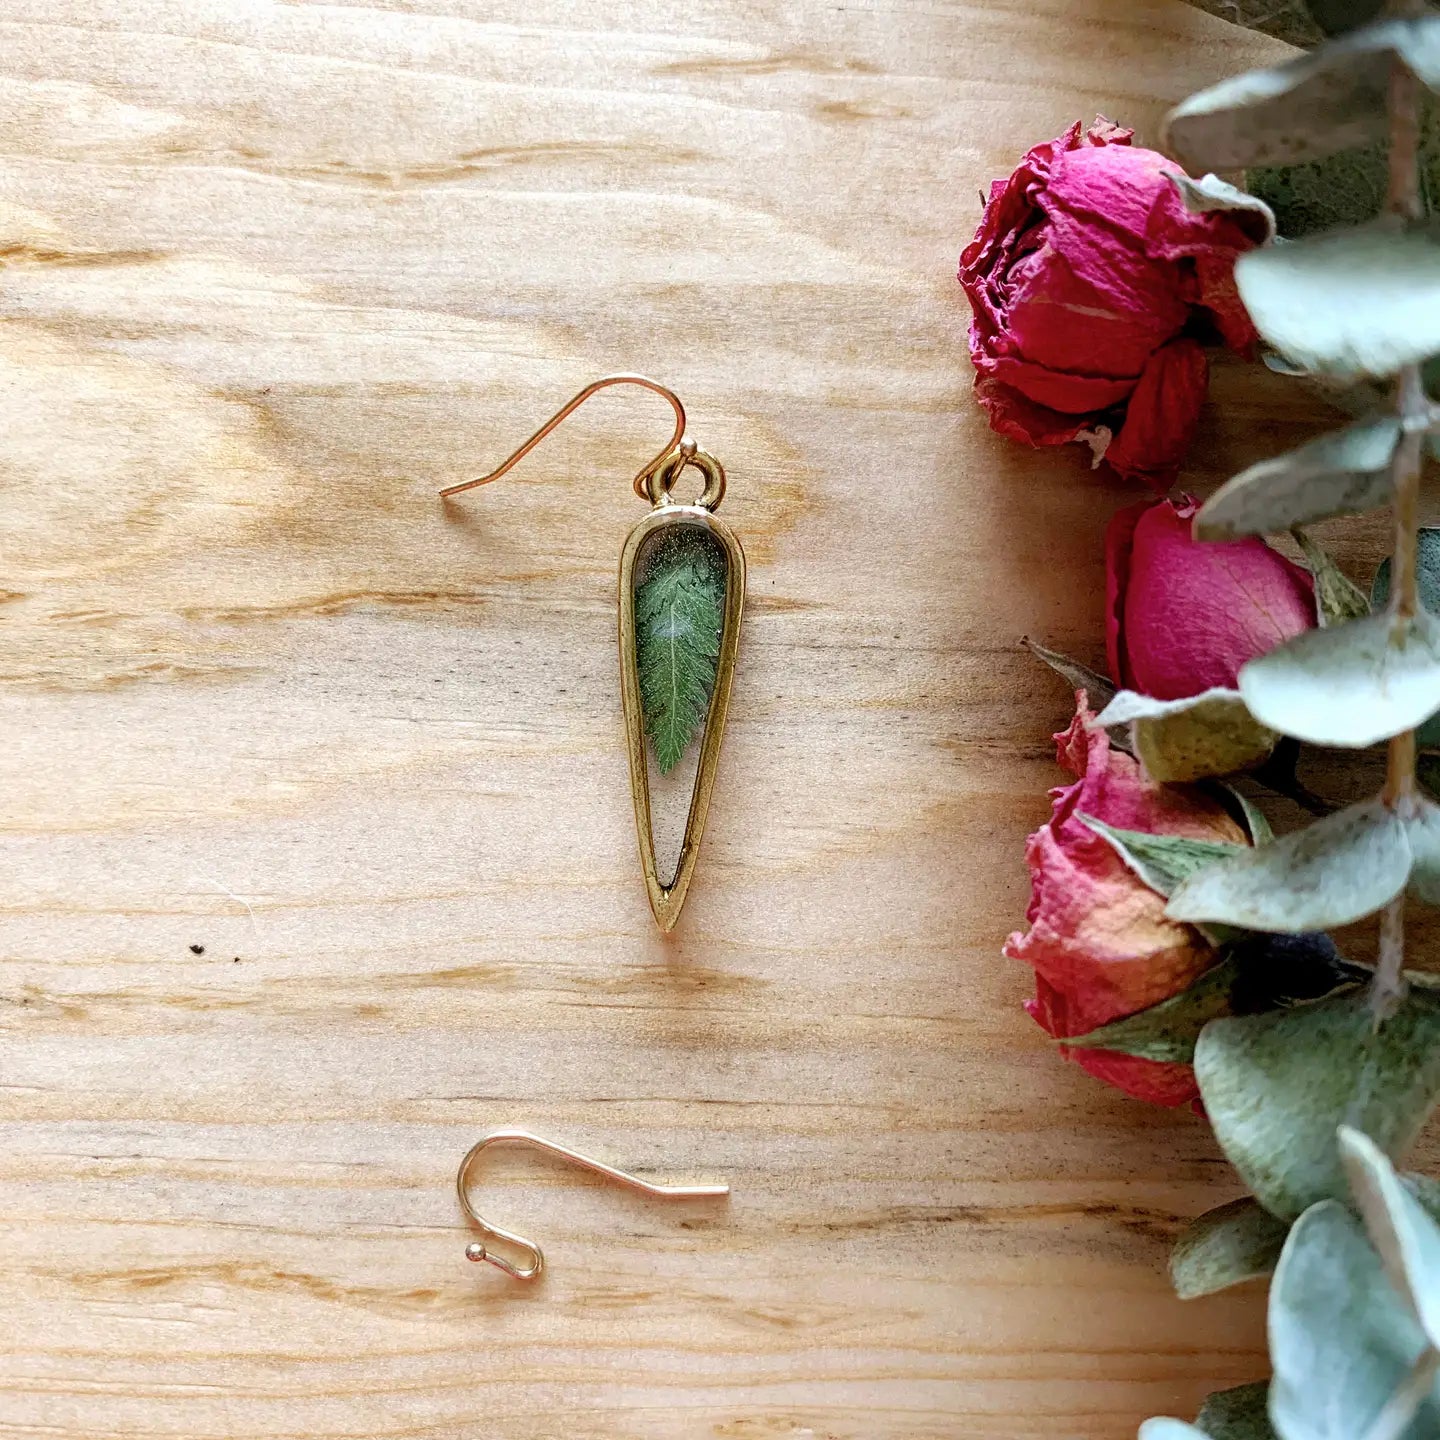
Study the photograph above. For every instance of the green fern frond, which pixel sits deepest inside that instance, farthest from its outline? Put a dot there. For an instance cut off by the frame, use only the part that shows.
(679, 614)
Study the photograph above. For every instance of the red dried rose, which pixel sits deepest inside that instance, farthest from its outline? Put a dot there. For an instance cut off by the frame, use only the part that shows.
(1090, 282)
(1099, 940)
(1182, 614)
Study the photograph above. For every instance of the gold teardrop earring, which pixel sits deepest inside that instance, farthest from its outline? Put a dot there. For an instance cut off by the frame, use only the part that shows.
(682, 590)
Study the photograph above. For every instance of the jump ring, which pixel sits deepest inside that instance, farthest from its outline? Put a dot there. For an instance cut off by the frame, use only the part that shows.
(661, 481)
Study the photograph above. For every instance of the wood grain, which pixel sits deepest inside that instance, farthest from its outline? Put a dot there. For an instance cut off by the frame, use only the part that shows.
(317, 855)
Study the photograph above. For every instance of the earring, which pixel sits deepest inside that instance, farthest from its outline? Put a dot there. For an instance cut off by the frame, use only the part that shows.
(528, 1271)
(682, 590)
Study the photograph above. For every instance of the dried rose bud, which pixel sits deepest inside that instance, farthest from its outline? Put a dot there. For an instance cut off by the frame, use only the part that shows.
(1099, 940)
(1091, 285)
(1183, 615)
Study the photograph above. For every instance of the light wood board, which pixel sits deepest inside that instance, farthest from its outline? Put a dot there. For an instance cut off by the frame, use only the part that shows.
(271, 274)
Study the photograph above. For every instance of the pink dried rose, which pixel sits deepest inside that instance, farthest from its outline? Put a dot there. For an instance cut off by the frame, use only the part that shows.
(1091, 285)
(1099, 940)
(1183, 615)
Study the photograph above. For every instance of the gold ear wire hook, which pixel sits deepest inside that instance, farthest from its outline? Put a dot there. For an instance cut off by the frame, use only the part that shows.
(671, 445)
(476, 1251)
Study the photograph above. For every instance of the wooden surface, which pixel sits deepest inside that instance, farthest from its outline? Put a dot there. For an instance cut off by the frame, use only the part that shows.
(272, 274)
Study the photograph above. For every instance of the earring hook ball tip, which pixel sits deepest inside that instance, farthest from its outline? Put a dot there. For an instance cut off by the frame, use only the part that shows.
(475, 1251)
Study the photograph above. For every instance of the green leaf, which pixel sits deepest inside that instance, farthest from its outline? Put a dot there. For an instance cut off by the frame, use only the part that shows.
(1350, 302)
(1238, 1414)
(1161, 861)
(1226, 1246)
(1342, 473)
(1337, 597)
(1339, 869)
(679, 615)
(1098, 689)
(1330, 100)
(1212, 733)
(1405, 1237)
(1167, 1032)
(1249, 813)
(1340, 1340)
(1278, 1085)
(1351, 685)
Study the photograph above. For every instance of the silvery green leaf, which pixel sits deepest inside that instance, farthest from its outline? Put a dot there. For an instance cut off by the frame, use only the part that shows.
(1427, 571)
(1167, 1032)
(1341, 1342)
(1256, 825)
(1211, 193)
(1339, 869)
(1337, 597)
(1329, 100)
(1342, 473)
(1212, 733)
(1351, 685)
(1427, 577)
(1406, 1238)
(1160, 861)
(1226, 1246)
(1162, 1427)
(1277, 1086)
(1423, 830)
(1238, 1414)
(1350, 302)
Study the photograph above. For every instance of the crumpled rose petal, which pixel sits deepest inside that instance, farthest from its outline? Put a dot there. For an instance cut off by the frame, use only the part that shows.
(1162, 416)
(1157, 1081)
(1099, 940)
(1017, 418)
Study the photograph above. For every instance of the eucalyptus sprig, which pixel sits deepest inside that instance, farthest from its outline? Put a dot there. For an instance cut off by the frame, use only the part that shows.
(1362, 303)
(1312, 1101)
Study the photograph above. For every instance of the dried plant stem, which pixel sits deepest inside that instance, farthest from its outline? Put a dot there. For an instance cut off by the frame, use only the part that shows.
(1403, 205)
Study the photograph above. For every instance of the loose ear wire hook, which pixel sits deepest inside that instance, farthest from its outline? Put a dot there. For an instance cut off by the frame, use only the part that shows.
(476, 1251)
(671, 445)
